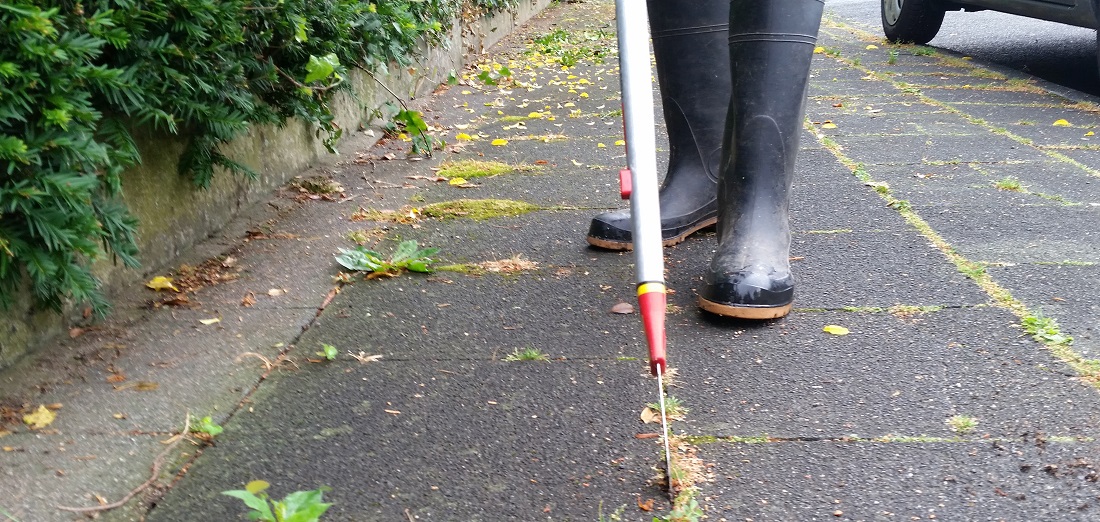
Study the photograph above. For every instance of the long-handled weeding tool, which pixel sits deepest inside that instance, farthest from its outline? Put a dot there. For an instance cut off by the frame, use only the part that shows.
(639, 182)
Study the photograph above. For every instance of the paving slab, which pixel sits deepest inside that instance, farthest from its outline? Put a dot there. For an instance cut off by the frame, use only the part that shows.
(792, 380)
(469, 441)
(979, 481)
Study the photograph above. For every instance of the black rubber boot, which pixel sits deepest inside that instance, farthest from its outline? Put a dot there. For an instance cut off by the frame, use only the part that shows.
(689, 44)
(771, 47)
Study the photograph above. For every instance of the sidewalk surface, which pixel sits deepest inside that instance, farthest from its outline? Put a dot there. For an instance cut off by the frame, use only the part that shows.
(937, 208)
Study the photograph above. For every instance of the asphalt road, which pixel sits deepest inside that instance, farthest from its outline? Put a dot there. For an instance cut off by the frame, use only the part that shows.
(1058, 53)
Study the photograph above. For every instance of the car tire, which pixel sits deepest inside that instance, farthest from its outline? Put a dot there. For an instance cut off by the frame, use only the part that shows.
(911, 21)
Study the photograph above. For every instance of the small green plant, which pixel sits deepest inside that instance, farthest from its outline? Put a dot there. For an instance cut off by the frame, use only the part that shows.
(527, 354)
(407, 256)
(962, 424)
(13, 519)
(413, 124)
(924, 51)
(1045, 330)
(674, 407)
(615, 516)
(300, 506)
(328, 351)
(684, 508)
(207, 426)
(1009, 183)
(494, 76)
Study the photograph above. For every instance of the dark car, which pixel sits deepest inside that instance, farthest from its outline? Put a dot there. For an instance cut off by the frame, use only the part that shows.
(918, 21)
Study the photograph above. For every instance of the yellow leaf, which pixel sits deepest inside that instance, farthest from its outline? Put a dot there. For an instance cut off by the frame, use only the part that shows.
(209, 322)
(569, 104)
(600, 146)
(466, 92)
(500, 142)
(577, 163)
(835, 329)
(403, 137)
(819, 49)
(620, 143)
(828, 125)
(462, 136)
(535, 114)
(161, 283)
(584, 95)
(256, 486)
(1090, 133)
(457, 181)
(872, 47)
(1062, 123)
(41, 418)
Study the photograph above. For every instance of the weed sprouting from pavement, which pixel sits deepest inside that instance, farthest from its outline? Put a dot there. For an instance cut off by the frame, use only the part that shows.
(962, 424)
(1009, 183)
(300, 506)
(1045, 330)
(527, 354)
(407, 256)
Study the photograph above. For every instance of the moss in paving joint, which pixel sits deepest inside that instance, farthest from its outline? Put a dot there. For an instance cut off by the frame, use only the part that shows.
(471, 169)
(478, 209)
(835, 231)
(1066, 263)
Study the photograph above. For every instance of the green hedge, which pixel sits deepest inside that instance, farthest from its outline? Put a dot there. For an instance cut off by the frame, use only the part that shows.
(75, 77)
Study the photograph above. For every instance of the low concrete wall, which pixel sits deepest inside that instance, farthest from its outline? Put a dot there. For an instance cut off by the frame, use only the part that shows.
(174, 215)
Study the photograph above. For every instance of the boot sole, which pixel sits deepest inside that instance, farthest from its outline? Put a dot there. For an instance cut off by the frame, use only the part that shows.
(674, 240)
(744, 312)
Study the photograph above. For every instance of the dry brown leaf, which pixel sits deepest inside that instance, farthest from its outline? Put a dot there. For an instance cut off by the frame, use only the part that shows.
(276, 292)
(4, 432)
(248, 300)
(647, 435)
(229, 262)
(116, 377)
(649, 416)
(75, 332)
(622, 308)
(645, 506)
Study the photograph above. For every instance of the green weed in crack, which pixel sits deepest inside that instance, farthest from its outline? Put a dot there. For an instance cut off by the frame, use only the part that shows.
(300, 506)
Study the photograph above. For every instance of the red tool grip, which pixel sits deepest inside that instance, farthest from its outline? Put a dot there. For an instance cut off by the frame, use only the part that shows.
(626, 186)
(652, 304)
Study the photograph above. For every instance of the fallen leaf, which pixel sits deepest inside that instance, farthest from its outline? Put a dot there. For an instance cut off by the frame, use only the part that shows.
(116, 377)
(1090, 133)
(392, 412)
(650, 416)
(248, 300)
(499, 142)
(276, 292)
(462, 136)
(647, 435)
(209, 322)
(457, 181)
(159, 283)
(835, 329)
(462, 126)
(871, 47)
(828, 125)
(541, 162)
(819, 49)
(75, 332)
(1061, 123)
(601, 146)
(645, 506)
(138, 386)
(41, 418)
(622, 308)
(229, 262)
(4, 432)
(620, 142)
(119, 416)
